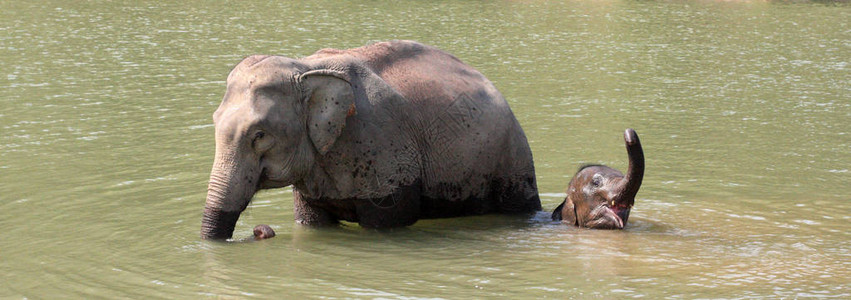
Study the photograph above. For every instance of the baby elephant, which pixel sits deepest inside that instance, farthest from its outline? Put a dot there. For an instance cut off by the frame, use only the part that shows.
(601, 197)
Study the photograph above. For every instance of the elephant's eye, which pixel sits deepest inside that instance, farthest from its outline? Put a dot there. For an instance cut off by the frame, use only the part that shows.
(597, 180)
(257, 136)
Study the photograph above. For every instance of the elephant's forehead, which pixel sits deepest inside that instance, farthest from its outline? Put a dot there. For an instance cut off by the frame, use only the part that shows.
(229, 124)
(258, 87)
(233, 112)
(246, 111)
(228, 112)
(589, 172)
(253, 79)
(263, 69)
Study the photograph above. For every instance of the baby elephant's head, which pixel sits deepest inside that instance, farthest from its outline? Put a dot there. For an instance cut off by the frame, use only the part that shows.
(601, 197)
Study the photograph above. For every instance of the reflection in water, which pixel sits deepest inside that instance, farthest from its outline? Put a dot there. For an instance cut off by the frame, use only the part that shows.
(107, 144)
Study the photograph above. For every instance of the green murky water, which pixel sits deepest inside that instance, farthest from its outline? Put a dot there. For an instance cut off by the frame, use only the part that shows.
(744, 109)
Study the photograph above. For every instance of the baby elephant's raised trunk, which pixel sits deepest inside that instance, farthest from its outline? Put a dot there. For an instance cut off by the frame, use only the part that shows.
(628, 188)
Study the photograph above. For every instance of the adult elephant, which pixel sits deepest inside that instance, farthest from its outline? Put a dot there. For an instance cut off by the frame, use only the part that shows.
(381, 135)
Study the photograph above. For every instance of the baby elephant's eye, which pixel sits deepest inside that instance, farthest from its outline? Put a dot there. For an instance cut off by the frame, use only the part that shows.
(597, 180)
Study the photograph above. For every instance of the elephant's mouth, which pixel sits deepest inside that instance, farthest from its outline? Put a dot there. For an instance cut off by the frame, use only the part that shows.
(622, 212)
(269, 182)
(608, 217)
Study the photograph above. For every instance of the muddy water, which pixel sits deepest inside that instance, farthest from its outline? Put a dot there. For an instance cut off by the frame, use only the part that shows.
(743, 109)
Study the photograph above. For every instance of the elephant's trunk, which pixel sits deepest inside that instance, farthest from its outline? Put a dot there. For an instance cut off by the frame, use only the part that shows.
(218, 224)
(635, 173)
(227, 196)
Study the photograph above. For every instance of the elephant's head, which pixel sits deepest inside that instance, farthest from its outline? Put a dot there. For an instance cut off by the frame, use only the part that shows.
(601, 197)
(277, 115)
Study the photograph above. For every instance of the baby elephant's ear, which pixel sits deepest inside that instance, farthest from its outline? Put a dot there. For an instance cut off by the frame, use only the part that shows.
(565, 212)
(329, 100)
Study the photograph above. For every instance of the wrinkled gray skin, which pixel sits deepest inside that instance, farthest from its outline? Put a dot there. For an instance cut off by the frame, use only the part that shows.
(601, 197)
(381, 135)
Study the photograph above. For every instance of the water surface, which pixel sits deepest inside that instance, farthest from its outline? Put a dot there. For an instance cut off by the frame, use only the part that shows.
(743, 109)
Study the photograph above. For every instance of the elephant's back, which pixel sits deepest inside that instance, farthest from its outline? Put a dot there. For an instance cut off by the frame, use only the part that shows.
(424, 75)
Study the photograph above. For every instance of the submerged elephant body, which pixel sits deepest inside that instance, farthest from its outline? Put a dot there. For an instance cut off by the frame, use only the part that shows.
(381, 135)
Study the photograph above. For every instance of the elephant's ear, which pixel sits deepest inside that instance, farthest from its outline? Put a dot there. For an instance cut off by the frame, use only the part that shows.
(557, 212)
(565, 212)
(329, 100)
